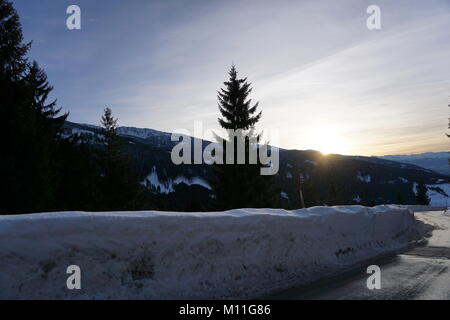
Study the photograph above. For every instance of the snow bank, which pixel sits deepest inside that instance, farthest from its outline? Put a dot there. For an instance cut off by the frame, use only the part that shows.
(418, 208)
(156, 255)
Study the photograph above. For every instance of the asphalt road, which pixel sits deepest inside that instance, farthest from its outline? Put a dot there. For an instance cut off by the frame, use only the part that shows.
(421, 273)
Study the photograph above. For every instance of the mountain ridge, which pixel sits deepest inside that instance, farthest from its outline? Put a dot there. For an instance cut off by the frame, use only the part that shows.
(357, 179)
(436, 161)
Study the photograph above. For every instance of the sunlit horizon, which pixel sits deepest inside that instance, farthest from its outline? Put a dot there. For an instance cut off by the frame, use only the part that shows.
(325, 83)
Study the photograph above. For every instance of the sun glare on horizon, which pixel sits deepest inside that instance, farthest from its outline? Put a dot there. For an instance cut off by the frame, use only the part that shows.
(327, 140)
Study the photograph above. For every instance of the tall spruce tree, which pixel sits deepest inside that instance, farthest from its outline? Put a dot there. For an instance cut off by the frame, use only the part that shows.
(13, 50)
(30, 126)
(41, 170)
(237, 110)
(109, 127)
(119, 185)
(47, 114)
(240, 185)
(421, 194)
(44, 128)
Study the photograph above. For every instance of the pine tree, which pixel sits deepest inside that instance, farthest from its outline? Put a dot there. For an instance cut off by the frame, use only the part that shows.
(241, 185)
(44, 129)
(119, 185)
(109, 125)
(421, 194)
(41, 170)
(30, 127)
(47, 114)
(13, 51)
(234, 105)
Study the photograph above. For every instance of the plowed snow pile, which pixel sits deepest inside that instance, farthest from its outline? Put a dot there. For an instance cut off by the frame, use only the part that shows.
(156, 255)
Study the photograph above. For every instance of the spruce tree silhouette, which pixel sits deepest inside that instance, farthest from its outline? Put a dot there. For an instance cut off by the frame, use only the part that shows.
(234, 105)
(30, 127)
(421, 194)
(40, 168)
(240, 185)
(119, 185)
(13, 61)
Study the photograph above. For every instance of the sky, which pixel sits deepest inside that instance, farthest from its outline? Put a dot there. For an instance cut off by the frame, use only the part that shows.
(324, 81)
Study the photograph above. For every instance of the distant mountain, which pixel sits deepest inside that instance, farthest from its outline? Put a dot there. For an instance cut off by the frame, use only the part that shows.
(436, 161)
(356, 179)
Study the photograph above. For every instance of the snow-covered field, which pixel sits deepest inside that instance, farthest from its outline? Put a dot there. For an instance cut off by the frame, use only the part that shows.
(156, 255)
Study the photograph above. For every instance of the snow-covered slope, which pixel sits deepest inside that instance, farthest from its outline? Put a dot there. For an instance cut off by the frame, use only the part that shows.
(154, 183)
(369, 180)
(142, 133)
(158, 255)
(436, 161)
(439, 194)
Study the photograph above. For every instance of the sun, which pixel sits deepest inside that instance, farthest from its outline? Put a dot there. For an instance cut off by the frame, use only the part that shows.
(327, 140)
(325, 147)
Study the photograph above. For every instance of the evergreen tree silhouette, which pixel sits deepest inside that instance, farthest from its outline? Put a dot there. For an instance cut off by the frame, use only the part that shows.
(119, 185)
(109, 126)
(30, 128)
(234, 105)
(241, 185)
(421, 194)
(13, 61)
(40, 168)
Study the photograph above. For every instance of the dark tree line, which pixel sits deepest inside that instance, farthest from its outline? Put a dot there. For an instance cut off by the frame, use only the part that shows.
(40, 169)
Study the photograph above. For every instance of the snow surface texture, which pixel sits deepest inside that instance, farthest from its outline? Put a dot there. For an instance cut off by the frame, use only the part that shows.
(156, 255)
